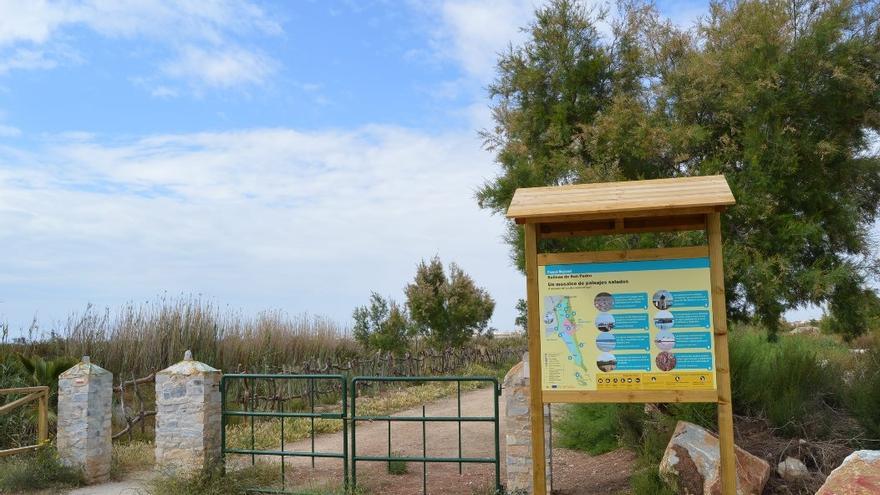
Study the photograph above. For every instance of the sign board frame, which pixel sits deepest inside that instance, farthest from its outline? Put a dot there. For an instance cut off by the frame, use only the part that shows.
(663, 205)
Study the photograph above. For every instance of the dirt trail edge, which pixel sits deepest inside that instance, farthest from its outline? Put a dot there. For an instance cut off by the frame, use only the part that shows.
(575, 473)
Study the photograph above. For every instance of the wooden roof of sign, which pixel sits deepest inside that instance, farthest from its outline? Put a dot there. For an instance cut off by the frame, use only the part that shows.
(669, 197)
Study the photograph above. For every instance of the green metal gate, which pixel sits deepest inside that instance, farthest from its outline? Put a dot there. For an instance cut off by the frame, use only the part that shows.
(277, 411)
(276, 404)
(424, 459)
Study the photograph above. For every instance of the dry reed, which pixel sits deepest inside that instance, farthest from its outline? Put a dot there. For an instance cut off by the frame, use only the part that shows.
(141, 338)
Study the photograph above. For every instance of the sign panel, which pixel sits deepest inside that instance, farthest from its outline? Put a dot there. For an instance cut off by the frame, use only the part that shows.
(630, 325)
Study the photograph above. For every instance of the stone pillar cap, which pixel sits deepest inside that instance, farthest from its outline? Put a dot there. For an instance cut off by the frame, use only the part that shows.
(84, 367)
(188, 366)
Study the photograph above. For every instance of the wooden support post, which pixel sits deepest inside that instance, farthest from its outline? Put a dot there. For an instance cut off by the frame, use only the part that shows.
(43, 418)
(722, 359)
(536, 405)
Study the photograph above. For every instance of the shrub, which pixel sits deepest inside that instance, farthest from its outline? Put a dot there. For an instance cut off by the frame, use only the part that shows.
(17, 428)
(592, 428)
(789, 382)
(862, 394)
(39, 470)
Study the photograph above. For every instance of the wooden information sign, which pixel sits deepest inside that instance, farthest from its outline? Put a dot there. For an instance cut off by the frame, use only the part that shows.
(644, 325)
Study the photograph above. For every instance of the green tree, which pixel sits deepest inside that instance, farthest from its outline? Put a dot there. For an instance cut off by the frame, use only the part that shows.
(447, 310)
(383, 326)
(781, 96)
(522, 315)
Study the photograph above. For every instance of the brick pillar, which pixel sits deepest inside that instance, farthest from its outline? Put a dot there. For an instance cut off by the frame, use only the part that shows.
(188, 408)
(85, 393)
(518, 430)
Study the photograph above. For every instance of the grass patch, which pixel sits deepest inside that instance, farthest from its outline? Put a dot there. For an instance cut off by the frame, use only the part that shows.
(213, 481)
(131, 458)
(862, 394)
(592, 428)
(39, 470)
(646, 481)
(397, 468)
(233, 482)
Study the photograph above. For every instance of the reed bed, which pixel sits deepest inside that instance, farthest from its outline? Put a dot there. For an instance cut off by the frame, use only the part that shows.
(139, 339)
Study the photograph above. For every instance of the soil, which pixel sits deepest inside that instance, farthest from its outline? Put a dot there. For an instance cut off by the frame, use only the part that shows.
(136, 485)
(575, 473)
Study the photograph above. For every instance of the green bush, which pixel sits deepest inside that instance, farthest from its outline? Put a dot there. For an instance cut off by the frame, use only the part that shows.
(788, 381)
(592, 428)
(792, 382)
(39, 470)
(862, 394)
(646, 481)
(17, 428)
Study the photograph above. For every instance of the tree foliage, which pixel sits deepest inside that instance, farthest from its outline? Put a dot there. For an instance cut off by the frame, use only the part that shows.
(447, 310)
(781, 96)
(522, 315)
(382, 325)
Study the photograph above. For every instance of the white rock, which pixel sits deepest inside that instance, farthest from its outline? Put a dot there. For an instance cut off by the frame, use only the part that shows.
(792, 469)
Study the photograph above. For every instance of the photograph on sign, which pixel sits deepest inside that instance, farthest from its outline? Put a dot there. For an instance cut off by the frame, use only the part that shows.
(628, 325)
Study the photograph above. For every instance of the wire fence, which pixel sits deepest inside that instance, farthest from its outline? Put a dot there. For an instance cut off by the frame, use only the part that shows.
(135, 404)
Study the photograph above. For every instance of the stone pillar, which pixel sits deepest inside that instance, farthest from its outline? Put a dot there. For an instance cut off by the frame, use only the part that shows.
(188, 409)
(518, 430)
(85, 393)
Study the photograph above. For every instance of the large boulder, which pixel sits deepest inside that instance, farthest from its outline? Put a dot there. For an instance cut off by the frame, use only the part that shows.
(692, 459)
(859, 474)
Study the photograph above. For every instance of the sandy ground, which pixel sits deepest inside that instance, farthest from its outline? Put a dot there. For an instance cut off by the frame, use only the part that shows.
(575, 473)
(133, 486)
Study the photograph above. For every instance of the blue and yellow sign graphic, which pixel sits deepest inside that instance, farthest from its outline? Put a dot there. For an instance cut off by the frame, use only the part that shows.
(630, 325)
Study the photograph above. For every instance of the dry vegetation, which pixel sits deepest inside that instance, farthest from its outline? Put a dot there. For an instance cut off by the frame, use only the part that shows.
(139, 339)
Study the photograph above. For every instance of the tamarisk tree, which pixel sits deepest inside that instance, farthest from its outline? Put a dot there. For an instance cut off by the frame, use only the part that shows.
(447, 310)
(781, 96)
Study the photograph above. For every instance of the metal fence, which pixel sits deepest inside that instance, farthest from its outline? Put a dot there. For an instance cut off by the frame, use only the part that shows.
(424, 419)
(249, 395)
(264, 396)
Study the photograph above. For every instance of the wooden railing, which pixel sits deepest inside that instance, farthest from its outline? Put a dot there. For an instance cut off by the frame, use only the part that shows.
(39, 394)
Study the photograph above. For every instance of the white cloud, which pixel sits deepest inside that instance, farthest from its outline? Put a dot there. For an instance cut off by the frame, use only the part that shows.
(222, 68)
(199, 35)
(303, 221)
(473, 32)
(9, 131)
(31, 21)
(28, 59)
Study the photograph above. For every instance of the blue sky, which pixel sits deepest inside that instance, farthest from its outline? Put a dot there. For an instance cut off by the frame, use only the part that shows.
(291, 155)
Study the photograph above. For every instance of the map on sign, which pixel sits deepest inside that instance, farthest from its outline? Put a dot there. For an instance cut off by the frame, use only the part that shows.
(561, 320)
(636, 325)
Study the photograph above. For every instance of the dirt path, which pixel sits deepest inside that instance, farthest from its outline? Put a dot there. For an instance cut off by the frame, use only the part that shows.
(575, 473)
(136, 485)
